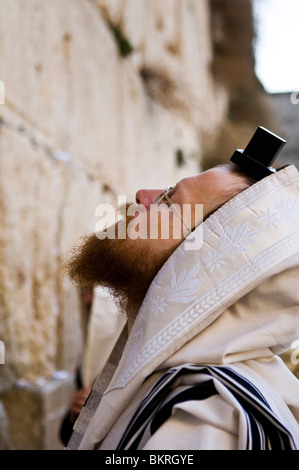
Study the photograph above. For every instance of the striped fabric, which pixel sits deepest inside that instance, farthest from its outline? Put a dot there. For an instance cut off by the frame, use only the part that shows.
(264, 430)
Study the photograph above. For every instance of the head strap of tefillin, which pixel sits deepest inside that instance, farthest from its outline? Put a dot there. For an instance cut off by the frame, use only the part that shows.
(257, 158)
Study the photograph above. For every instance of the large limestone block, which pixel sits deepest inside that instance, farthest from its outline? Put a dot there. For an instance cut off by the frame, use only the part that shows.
(5, 443)
(173, 40)
(71, 84)
(35, 413)
(63, 81)
(29, 204)
(45, 206)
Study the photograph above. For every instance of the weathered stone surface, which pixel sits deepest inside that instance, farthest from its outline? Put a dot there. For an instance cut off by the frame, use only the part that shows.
(33, 199)
(35, 414)
(5, 443)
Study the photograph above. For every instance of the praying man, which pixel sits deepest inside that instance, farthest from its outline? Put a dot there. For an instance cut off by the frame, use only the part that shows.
(206, 322)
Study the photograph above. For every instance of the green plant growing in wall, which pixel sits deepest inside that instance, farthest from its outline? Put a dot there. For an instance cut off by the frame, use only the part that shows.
(124, 46)
(180, 159)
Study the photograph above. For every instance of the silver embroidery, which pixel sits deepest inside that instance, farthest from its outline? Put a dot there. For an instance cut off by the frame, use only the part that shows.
(182, 289)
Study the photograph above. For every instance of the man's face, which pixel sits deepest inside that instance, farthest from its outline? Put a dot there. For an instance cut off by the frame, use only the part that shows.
(127, 266)
(211, 189)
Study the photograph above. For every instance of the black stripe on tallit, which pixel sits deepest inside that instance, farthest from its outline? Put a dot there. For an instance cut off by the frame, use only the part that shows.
(149, 405)
(272, 434)
(264, 431)
(202, 391)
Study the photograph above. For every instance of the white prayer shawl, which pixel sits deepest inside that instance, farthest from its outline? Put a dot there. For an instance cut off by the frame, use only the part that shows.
(211, 325)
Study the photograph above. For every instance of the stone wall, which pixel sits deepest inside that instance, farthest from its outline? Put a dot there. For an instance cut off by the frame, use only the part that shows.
(102, 97)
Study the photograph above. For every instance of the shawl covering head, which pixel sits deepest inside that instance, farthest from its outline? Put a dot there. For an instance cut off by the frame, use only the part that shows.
(232, 301)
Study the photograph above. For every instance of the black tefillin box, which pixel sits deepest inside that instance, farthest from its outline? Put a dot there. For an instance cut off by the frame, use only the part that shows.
(257, 159)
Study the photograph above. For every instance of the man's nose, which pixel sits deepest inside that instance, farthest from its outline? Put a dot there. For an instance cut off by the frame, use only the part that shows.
(147, 196)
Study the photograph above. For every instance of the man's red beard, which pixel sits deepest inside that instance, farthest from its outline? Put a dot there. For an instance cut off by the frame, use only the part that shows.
(125, 266)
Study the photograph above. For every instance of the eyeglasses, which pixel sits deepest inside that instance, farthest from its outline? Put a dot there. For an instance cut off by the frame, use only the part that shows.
(165, 195)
